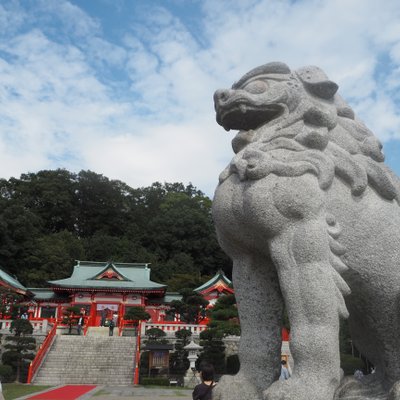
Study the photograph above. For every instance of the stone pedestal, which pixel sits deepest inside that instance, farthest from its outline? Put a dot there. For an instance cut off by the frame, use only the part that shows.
(191, 379)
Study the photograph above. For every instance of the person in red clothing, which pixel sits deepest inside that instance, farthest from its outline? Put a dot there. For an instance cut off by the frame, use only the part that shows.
(203, 391)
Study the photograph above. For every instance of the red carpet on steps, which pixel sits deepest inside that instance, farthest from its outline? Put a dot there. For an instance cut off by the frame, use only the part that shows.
(68, 392)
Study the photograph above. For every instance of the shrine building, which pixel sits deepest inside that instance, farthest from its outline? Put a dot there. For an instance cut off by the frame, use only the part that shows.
(98, 288)
(7, 282)
(217, 286)
(109, 289)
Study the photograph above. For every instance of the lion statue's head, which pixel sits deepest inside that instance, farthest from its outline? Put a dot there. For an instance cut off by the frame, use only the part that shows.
(293, 122)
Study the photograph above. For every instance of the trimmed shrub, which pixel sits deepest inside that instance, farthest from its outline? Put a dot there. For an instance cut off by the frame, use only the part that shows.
(232, 364)
(155, 381)
(7, 373)
(144, 363)
(349, 364)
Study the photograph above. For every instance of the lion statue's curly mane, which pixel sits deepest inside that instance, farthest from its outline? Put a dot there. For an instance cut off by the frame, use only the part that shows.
(309, 214)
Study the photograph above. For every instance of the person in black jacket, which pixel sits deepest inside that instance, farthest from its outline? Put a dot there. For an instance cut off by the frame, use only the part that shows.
(81, 322)
(203, 391)
(111, 328)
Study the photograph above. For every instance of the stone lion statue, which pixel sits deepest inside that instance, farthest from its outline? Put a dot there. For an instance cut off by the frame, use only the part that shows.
(310, 216)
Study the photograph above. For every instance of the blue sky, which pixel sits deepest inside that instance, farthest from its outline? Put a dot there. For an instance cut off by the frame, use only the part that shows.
(124, 87)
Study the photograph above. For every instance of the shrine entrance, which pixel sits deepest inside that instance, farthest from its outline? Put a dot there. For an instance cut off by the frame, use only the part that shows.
(105, 312)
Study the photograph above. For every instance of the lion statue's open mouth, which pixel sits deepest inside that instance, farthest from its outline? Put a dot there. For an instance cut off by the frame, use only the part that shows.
(240, 112)
(310, 216)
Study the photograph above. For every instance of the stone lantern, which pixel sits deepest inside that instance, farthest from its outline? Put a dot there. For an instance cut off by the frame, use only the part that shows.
(191, 379)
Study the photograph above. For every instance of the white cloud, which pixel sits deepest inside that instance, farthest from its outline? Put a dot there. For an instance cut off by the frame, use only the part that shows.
(70, 18)
(171, 153)
(139, 108)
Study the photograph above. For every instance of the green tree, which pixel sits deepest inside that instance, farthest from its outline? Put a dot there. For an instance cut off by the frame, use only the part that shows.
(9, 302)
(168, 225)
(52, 258)
(101, 246)
(186, 281)
(102, 205)
(21, 327)
(18, 228)
(178, 362)
(137, 314)
(183, 225)
(49, 194)
(191, 308)
(19, 348)
(155, 335)
(213, 350)
(232, 364)
(144, 363)
(224, 317)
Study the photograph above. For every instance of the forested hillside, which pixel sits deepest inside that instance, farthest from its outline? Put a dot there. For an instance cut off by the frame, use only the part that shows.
(51, 218)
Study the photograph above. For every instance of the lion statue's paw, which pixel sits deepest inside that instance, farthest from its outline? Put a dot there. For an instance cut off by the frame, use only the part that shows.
(394, 393)
(298, 389)
(236, 387)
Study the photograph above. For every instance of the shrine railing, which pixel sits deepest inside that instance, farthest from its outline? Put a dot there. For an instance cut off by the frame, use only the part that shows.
(44, 348)
(137, 356)
(87, 324)
(127, 324)
(40, 326)
(171, 328)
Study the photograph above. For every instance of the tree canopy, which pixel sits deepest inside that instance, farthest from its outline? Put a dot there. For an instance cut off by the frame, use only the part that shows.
(50, 218)
(137, 314)
(191, 308)
(224, 317)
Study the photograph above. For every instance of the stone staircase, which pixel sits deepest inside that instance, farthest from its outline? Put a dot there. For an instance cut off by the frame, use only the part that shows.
(77, 359)
(101, 331)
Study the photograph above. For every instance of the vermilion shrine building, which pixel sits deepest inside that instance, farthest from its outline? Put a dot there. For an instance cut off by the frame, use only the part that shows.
(110, 288)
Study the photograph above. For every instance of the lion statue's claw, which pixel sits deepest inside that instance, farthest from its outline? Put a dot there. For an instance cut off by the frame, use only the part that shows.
(299, 390)
(236, 387)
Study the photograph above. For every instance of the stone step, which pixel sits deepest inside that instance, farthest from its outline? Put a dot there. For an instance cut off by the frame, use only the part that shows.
(94, 363)
(101, 331)
(59, 374)
(83, 381)
(89, 359)
(87, 371)
(114, 371)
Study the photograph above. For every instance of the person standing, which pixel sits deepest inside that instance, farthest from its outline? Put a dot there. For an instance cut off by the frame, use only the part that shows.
(203, 391)
(284, 371)
(81, 322)
(103, 317)
(111, 328)
(115, 319)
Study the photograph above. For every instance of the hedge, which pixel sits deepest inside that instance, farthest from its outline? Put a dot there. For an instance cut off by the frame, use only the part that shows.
(7, 373)
(155, 381)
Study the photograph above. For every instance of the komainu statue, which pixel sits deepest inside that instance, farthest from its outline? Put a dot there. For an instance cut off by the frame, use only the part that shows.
(309, 214)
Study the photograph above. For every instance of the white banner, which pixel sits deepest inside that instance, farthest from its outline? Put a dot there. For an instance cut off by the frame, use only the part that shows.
(113, 307)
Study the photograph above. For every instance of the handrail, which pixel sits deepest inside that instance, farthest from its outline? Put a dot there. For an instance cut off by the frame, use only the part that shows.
(44, 348)
(124, 323)
(137, 355)
(86, 327)
(121, 326)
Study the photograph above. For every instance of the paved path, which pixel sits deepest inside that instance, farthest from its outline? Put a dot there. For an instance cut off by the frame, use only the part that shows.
(139, 393)
(134, 393)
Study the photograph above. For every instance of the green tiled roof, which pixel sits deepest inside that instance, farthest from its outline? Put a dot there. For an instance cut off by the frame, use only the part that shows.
(171, 296)
(218, 276)
(11, 281)
(47, 294)
(86, 274)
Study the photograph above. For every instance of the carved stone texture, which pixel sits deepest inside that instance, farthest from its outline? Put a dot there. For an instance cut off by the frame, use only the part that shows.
(310, 216)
